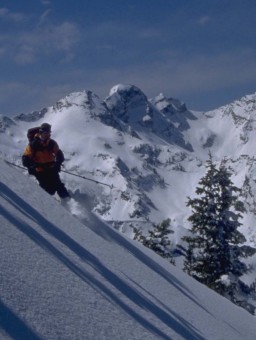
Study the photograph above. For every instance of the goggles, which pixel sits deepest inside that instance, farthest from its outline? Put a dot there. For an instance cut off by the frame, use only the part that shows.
(44, 131)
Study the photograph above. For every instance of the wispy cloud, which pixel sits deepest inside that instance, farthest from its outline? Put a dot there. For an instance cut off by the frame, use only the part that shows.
(26, 54)
(43, 17)
(150, 33)
(6, 14)
(204, 20)
(29, 47)
(2, 51)
(26, 45)
(45, 2)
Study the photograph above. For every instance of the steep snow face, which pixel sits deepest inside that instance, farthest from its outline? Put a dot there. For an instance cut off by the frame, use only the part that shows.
(5, 123)
(174, 111)
(171, 108)
(11, 136)
(86, 100)
(88, 103)
(32, 116)
(243, 116)
(228, 130)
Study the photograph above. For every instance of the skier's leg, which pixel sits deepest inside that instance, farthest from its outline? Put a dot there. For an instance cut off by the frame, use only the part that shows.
(46, 182)
(60, 187)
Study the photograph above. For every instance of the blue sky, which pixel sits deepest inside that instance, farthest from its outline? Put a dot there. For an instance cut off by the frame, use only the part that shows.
(202, 52)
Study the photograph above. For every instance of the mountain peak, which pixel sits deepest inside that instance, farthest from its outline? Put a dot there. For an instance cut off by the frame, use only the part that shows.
(128, 89)
(128, 103)
(84, 98)
(164, 103)
(5, 122)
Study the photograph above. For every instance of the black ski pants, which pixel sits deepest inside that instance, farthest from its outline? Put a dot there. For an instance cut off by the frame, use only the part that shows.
(49, 180)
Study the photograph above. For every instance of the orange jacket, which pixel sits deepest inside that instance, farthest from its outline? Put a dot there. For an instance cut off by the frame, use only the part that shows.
(43, 154)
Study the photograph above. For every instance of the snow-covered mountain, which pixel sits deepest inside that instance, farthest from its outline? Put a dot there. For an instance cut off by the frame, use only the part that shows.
(63, 279)
(152, 150)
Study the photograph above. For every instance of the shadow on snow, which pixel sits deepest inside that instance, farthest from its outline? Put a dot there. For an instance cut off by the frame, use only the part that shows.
(186, 331)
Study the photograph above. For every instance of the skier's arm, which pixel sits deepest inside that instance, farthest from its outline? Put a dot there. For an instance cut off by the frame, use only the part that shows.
(27, 157)
(59, 156)
(27, 160)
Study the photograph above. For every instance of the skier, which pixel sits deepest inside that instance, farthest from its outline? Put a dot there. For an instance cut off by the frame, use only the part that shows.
(43, 158)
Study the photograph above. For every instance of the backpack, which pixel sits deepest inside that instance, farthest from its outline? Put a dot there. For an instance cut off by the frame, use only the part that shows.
(32, 132)
(33, 142)
(35, 145)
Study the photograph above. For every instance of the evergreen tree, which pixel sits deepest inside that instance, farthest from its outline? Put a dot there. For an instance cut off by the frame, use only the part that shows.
(157, 239)
(214, 252)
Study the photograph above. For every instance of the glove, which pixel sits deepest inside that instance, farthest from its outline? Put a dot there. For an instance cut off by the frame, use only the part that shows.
(32, 169)
(57, 167)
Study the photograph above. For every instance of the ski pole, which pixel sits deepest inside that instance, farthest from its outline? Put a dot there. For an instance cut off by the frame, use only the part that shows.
(88, 179)
(111, 186)
(18, 166)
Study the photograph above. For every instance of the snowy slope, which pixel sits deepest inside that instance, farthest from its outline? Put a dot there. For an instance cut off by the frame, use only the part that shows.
(64, 279)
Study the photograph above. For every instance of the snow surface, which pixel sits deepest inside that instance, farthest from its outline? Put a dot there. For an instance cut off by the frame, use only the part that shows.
(64, 278)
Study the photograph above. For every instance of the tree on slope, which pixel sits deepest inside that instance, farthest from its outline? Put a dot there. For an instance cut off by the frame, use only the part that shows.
(158, 239)
(214, 253)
